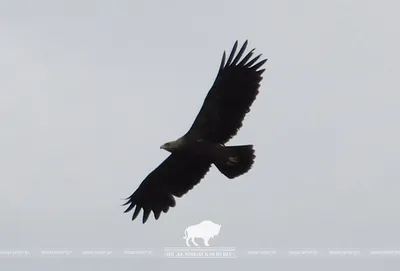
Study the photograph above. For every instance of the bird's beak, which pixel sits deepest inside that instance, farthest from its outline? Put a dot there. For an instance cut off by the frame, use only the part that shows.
(162, 146)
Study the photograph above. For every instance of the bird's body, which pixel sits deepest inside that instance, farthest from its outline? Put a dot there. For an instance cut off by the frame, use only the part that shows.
(192, 155)
(195, 146)
(203, 149)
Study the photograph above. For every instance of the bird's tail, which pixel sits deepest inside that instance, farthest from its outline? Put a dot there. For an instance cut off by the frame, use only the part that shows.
(236, 160)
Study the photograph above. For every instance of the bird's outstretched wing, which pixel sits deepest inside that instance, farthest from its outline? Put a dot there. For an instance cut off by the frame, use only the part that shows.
(230, 97)
(175, 176)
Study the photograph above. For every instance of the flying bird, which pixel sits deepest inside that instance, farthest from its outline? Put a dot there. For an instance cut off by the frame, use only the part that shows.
(219, 119)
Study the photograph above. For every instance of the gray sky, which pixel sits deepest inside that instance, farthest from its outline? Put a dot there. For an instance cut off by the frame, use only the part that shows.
(91, 89)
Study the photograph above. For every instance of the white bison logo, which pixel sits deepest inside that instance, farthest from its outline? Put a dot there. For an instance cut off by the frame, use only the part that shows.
(206, 230)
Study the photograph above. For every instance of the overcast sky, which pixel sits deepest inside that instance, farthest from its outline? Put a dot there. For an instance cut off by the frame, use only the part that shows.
(91, 89)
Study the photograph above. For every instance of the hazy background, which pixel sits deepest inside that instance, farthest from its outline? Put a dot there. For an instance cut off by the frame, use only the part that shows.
(91, 89)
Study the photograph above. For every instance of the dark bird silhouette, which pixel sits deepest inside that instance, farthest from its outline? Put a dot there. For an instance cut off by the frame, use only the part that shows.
(219, 119)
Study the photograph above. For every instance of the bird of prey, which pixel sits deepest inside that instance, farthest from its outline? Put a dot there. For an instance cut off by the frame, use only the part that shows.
(219, 119)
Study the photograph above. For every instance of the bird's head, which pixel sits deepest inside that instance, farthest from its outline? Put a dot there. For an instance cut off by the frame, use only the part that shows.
(173, 145)
(169, 146)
